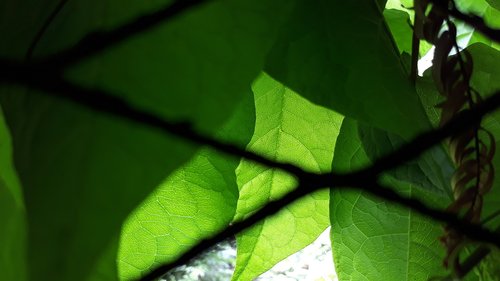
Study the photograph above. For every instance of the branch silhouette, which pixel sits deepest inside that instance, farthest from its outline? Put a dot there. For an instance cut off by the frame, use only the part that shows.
(473, 20)
(98, 41)
(474, 259)
(364, 179)
(43, 74)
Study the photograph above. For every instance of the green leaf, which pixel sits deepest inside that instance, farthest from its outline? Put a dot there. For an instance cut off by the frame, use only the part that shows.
(399, 17)
(376, 240)
(431, 171)
(494, 3)
(429, 96)
(488, 269)
(485, 80)
(288, 129)
(191, 204)
(340, 54)
(217, 50)
(83, 172)
(400, 26)
(485, 74)
(487, 10)
(12, 214)
(399, 4)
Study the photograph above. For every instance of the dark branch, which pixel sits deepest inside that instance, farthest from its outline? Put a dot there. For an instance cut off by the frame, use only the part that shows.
(491, 217)
(472, 20)
(104, 102)
(473, 260)
(364, 179)
(308, 186)
(460, 123)
(269, 209)
(97, 42)
(473, 231)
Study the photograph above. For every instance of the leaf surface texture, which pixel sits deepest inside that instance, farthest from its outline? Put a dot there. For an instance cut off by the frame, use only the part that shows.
(288, 129)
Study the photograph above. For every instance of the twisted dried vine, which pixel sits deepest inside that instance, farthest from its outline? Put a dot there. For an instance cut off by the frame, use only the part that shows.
(472, 151)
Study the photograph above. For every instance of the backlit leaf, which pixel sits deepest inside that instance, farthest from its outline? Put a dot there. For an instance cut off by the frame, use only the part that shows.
(376, 240)
(340, 54)
(400, 26)
(431, 171)
(490, 271)
(191, 204)
(84, 172)
(288, 129)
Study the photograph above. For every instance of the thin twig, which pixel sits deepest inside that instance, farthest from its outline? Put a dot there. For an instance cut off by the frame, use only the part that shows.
(460, 123)
(480, 253)
(473, 20)
(99, 41)
(465, 227)
(475, 258)
(490, 217)
(41, 31)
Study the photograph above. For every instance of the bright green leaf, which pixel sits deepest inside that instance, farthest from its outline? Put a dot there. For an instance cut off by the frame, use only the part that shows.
(340, 54)
(489, 269)
(399, 4)
(486, 69)
(431, 171)
(400, 27)
(494, 3)
(83, 172)
(399, 16)
(376, 240)
(12, 214)
(191, 204)
(217, 50)
(288, 129)
(487, 10)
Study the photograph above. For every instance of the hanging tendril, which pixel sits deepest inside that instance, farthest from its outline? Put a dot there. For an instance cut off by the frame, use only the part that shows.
(472, 152)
